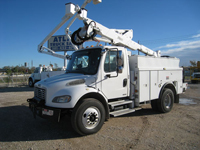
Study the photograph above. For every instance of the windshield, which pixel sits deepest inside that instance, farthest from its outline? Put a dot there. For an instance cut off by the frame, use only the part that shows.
(84, 61)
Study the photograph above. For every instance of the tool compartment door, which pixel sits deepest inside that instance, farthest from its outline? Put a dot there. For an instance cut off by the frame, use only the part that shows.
(143, 86)
(154, 89)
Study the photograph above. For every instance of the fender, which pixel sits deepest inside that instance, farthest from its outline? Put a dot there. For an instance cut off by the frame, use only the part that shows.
(33, 79)
(172, 87)
(99, 96)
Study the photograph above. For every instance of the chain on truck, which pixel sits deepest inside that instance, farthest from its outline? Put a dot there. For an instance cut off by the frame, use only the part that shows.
(104, 81)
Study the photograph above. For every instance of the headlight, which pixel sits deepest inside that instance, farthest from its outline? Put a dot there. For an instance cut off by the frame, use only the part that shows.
(62, 99)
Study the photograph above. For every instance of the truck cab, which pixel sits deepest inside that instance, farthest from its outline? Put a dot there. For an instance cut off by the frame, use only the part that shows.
(195, 77)
(90, 70)
(36, 76)
(99, 74)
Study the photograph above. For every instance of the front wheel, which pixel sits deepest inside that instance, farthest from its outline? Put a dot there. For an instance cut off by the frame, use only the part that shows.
(30, 83)
(165, 103)
(88, 116)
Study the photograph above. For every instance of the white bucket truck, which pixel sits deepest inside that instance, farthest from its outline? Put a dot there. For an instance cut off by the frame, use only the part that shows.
(104, 81)
(43, 72)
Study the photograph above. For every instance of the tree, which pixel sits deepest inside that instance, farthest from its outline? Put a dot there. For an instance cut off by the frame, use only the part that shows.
(8, 69)
(193, 63)
(56, 65)
(23, 69)
(31, 70)
(15, 69)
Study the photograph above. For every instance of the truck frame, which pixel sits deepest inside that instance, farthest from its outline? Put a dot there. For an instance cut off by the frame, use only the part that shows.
(104, 81)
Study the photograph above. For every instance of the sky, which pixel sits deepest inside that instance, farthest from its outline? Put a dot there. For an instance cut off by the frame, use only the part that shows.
(172, 26)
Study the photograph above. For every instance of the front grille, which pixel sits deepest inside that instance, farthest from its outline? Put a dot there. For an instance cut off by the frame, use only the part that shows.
(40, 93)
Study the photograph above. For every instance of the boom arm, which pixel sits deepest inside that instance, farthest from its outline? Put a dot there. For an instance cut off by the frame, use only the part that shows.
(69, 14)
(90, 30)
(113, 36)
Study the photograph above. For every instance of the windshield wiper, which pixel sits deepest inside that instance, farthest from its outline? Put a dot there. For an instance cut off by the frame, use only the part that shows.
(81, 71)
(77, 71)
(68, 71)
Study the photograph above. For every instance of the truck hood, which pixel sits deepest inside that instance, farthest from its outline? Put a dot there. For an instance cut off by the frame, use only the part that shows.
(68, 78)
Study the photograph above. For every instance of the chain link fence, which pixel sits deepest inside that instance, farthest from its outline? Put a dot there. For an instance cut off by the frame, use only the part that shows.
(14, 80)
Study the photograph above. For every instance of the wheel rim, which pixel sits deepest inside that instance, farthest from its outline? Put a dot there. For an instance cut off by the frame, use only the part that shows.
(30, 83)
(91, 117)
(168, 101)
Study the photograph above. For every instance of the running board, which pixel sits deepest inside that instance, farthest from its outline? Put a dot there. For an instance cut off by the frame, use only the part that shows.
(123, 111)
(120, 103)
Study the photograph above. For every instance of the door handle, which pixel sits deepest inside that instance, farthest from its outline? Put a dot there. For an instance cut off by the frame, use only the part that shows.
(124, 82)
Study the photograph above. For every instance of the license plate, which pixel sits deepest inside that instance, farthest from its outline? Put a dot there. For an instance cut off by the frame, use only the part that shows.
(47, 112)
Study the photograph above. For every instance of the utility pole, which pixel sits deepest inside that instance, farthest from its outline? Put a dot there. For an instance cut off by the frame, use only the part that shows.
(65, 60)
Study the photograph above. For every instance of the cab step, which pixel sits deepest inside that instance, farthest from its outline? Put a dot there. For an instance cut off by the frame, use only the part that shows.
(123, 111)
(120, 103)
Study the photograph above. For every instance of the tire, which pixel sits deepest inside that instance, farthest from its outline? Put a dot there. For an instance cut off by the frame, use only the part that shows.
(88, 116)
(154, 105)
(165, 103)
(194, 81)
(30, 83)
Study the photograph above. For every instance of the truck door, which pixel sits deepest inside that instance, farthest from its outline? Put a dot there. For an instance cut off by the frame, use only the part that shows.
(37, 74)
(114, 84)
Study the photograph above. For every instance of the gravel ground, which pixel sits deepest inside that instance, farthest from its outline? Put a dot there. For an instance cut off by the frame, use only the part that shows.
(144, 129)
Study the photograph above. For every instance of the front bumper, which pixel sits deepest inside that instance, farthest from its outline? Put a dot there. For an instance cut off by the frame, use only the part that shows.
(185, 85)
(39, 109)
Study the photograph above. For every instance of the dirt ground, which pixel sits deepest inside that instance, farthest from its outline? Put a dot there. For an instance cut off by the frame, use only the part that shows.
(144, 129)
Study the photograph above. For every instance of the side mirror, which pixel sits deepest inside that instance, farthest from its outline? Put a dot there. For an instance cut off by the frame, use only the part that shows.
(69, 57)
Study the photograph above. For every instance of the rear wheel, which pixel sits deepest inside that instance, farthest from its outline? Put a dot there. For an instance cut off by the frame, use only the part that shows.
(194, 81)
(165, 103)
(88, 117)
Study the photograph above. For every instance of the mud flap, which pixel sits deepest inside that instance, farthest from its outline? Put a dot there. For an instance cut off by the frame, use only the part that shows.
(176, 100)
